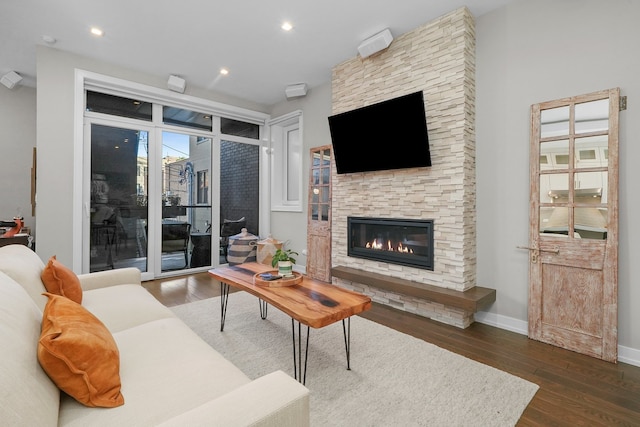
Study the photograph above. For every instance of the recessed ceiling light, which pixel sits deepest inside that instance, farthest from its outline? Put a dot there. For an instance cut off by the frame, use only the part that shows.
(224, 71)
(48, 39)
(286, 26)
(97, 31)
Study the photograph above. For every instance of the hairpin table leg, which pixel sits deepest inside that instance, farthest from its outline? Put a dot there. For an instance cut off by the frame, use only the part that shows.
(263, 308)
(224, 298)
(347, 339)
(299, 373)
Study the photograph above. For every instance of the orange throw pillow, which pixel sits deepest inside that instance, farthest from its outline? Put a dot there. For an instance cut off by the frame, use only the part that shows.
(79, 354)
(60, 280)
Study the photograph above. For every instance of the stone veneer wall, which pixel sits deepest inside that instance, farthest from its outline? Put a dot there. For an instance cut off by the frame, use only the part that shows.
(439, 59)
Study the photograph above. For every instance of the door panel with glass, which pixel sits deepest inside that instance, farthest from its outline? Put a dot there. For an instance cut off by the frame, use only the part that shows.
(185, 232)
(573, 240)
(118, 210)
(319, 219)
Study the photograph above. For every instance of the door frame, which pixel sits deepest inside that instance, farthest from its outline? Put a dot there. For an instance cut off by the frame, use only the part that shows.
(318, 231)
(122, 123)
(582, 255)
(88, 80)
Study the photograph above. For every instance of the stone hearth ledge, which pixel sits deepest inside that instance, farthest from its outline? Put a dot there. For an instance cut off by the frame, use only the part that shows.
(449, 306)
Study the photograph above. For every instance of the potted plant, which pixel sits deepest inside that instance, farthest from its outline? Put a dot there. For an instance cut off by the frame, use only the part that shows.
(284, 260)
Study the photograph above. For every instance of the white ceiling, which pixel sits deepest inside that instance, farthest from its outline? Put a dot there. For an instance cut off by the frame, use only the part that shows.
(195, 38)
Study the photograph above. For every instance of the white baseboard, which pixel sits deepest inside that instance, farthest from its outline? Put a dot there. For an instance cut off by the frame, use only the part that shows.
(629, 355)
(625, 354)
(502, 322)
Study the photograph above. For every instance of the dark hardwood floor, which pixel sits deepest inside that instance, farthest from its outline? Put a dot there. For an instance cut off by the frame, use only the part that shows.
(575, 390)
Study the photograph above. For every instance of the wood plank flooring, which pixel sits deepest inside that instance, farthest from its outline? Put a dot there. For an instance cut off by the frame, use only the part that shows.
(575, 390)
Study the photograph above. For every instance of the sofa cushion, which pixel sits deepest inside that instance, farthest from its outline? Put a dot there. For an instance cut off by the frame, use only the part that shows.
(108, 304)
(28, 396)
(166, 369)
(60, 280)
(25, 267)
(79, 354)
(274, 394)
(106, 278)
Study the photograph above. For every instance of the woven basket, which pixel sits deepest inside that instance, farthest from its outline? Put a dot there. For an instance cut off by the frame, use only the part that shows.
(242, 248)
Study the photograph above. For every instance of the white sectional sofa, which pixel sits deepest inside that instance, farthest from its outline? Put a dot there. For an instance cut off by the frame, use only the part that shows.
(169, 375)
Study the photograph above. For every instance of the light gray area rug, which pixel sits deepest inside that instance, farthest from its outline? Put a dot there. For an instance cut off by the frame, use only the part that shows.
(395, 379)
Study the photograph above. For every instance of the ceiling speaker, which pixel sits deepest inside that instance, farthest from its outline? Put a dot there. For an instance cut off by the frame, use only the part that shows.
(375, 43)
(293, 91)
(11, 79)
(176, 84)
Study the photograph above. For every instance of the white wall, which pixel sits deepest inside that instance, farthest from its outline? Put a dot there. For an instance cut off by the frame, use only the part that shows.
(527, 52)
(531, 52)
(55, 127)
(17, 140)
(55, 145)
(316, 107)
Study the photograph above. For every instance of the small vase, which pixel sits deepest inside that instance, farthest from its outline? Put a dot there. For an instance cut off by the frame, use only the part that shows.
(285, 268)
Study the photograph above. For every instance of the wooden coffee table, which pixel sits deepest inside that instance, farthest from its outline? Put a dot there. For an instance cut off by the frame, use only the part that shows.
(311, 302)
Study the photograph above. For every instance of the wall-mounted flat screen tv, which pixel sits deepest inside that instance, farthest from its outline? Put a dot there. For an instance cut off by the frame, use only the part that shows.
(391, 134)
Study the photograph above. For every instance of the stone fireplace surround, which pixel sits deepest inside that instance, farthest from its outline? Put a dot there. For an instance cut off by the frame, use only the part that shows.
(439, 59)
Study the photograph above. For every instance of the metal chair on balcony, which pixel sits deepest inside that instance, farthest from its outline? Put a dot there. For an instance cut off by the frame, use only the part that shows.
(227, 229)
(175, 238)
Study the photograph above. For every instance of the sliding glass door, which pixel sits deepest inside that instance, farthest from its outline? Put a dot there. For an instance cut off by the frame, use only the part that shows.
(186, 202)
(122, 206)
(118, 193)
(163, 184)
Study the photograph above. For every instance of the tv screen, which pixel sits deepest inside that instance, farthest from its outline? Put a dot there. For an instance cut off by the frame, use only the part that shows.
(391, 134)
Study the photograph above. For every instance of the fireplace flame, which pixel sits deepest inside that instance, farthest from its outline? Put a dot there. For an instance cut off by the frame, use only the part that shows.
(379, 245)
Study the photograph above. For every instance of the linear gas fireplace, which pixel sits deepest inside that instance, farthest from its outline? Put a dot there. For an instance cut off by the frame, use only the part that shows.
(397, 241)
